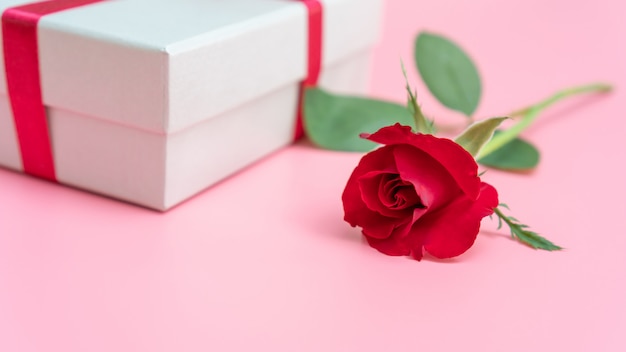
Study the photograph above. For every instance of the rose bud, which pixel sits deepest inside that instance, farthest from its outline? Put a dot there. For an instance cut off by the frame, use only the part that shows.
(417, 193)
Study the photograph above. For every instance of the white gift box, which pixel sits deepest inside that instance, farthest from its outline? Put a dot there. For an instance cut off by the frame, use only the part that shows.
(152, 101)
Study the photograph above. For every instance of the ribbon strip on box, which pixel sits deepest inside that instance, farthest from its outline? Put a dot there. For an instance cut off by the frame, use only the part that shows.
(19, 31)
(314, 66)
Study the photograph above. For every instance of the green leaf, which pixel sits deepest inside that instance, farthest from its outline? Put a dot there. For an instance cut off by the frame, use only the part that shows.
(335, 121)
(448, 72)
(478, 134)
(516, 155)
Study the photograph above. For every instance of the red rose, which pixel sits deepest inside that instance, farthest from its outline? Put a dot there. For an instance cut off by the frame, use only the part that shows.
(417, 192)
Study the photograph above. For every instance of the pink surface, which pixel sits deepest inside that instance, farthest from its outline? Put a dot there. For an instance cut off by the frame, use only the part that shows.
(264, 261)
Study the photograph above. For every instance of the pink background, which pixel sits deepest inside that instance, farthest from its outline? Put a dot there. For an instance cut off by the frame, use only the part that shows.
(263, 261)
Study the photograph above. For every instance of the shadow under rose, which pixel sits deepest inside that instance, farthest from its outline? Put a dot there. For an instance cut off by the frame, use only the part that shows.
(355, 236)
(468, 256)
(474, 252)
(330, 225)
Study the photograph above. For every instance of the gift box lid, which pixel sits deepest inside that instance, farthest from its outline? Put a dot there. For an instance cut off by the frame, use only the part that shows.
(163, 65)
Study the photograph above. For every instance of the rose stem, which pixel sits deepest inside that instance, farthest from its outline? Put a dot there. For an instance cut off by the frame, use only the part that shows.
(529, 114)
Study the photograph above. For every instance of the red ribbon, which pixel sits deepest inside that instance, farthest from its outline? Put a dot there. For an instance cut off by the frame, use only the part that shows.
(21, 60)
(314, 8)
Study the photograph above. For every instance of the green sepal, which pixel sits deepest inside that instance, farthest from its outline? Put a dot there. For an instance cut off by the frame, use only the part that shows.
(478, 134)
(533, 239)
(448, 72)
(422, 125)
(522, 233)
(334, 121)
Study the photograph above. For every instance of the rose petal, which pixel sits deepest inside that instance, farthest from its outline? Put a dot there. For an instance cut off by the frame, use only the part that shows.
(459, 163)
(432, 182)
(388, 195)
(404, 195)
(357, 213)
(397, 244)
(453, 229)
(370, 186)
